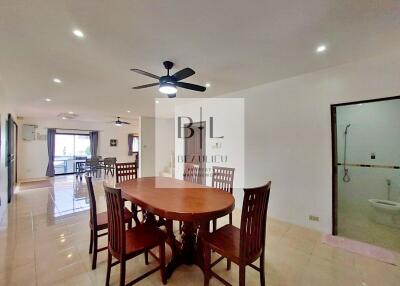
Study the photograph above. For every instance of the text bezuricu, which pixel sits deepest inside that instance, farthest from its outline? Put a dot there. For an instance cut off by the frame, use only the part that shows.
(202, 159)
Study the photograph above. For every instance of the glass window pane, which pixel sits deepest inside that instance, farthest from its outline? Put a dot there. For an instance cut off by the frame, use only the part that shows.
(135, 144)
(82, 145)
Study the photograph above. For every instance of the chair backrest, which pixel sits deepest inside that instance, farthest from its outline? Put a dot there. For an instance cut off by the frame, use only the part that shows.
(125, 171)
(80, 158)
(253, 223)
(222, 178)
(110, 161)
(92, 162)
(191, 173)
(116, 226)
(92, 201)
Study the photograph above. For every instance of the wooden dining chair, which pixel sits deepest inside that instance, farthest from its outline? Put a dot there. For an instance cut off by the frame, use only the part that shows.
(98, 222)
(222, 178)
(190, 174)
(126, 244)
(109, 165)
(242, 246)
(125, 172)
(92, 166)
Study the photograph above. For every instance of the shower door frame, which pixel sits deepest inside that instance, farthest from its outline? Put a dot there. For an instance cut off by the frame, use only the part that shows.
(334, 154)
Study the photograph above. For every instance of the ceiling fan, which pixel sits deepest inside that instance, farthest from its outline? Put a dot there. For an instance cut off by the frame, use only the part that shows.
(118, 122)
(168, 84)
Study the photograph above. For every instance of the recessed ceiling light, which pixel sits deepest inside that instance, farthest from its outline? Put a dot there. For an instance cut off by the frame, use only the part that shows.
(70, 112)
(78, 33)
(57, 80)
(48, 99)
(65, 118)
(208, 84)
(128, 111)
(320, 49)
(69, 255)
(157, 102)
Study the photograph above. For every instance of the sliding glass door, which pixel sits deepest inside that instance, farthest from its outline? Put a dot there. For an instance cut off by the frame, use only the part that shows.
(70, 148)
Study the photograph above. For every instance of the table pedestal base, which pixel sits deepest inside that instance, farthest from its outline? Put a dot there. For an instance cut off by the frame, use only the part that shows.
(189, 251)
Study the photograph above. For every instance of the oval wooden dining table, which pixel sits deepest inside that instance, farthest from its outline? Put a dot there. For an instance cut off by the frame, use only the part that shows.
(172, 199)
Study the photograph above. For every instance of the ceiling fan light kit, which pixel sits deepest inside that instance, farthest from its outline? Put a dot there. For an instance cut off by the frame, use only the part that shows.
(167, 88)
(168, 84)
(119, 123)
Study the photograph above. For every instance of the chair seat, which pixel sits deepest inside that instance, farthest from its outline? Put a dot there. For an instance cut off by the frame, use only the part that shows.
(102, 219)
(226, 242)
(143, 237)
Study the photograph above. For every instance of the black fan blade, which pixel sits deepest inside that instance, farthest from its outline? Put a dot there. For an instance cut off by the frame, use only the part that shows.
(191, 86)
(145, 73)
(146, 85)
(182, 74)
(124, 122)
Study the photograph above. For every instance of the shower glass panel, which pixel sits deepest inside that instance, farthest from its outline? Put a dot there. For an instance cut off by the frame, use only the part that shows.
(368, 174)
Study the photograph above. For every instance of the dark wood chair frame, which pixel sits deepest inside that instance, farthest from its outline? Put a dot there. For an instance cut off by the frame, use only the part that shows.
(222, 178)
(93, 166)
(251, 241)
(125, 172)
(117, 241)
(190, 174)
(109, 165)
(95, 228)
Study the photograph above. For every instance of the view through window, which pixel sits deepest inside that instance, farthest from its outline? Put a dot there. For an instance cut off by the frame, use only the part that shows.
(68, 149)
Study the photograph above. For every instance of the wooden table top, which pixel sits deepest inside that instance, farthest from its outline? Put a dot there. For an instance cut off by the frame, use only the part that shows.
(176, 199)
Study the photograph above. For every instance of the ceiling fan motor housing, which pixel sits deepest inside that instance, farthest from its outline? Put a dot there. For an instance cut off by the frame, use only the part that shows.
(168, 65)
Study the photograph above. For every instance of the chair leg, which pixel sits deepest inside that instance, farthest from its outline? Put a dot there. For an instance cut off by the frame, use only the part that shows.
(242, 275)
(228, 264)
(146, 257)
(95, 238)
(109, 258)
(122, 274)
(230, 219)
(162, 263)
(91, 241)
(214, 225)
(207, 264)
(262, 270)
(180, 227)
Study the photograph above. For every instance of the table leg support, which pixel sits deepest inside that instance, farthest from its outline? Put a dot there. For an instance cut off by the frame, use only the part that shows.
(191, 250)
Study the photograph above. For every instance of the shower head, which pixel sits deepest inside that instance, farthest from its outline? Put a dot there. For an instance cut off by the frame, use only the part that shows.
(347, 127)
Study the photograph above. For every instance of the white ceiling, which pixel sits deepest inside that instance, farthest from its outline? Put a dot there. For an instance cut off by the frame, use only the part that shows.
(230, 43)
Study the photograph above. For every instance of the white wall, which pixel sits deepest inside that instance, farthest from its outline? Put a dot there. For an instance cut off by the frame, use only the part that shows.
(147, 146)
(164, 145)
(288, 133)
(33, 159)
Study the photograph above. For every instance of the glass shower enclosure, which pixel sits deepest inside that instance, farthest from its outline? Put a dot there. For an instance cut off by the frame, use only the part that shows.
(367, 172)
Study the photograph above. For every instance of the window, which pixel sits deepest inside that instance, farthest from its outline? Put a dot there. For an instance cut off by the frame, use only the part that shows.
(68, 148)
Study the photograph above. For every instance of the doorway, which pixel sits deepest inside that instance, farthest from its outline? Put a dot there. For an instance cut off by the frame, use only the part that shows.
(195, 148)
(12, 139)
(366, 171)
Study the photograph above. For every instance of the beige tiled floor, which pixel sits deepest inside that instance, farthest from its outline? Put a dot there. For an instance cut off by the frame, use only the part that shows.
(44, 241)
